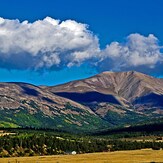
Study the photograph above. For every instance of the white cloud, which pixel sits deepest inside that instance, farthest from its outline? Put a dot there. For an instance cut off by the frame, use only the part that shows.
(46, 43)
(55, 44)
(138, 51)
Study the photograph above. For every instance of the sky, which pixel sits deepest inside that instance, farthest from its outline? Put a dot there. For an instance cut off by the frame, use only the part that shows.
(49, 42)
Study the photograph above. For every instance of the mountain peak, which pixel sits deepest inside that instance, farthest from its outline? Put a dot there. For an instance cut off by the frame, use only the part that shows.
(127, 85)
(123, 72)
(125, 75)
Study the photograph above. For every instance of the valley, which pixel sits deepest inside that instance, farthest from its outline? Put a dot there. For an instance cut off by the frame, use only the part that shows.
(136, 156)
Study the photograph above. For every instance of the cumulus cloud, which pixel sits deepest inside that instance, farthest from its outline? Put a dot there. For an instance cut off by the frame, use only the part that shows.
(46, 43)
(137, 53)
(54, 44)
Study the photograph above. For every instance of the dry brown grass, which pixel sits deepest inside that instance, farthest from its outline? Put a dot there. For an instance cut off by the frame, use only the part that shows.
(136, 156)
(6, 133)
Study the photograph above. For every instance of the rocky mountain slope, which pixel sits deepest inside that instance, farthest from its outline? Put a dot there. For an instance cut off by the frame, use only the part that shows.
(104, 100)
(23, 104)
(132, 90)
(128, 85)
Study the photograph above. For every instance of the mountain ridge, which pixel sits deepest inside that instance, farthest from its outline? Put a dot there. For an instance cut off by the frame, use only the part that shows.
(112, 80)
(105, 100)
(131, 88)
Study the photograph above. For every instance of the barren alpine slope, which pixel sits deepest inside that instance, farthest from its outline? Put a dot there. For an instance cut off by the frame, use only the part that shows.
(24, 105)
(128, 85)
(106, 100)
(129, 89)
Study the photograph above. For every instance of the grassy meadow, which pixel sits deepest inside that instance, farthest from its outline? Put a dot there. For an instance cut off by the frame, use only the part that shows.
(133, 156)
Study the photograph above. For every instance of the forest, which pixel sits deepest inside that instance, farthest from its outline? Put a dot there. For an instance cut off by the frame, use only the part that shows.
(38, 142)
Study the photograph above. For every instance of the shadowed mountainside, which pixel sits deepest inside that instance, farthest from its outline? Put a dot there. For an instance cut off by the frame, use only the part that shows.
(23, 104)
(104, 100)
(128, 89)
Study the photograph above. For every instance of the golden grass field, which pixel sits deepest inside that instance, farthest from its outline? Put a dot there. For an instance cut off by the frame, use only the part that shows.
(136, 156)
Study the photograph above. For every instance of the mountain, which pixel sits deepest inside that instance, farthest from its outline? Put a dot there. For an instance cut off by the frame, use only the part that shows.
(24, 105)
(128, 85)
(116, 92)
(106, 100)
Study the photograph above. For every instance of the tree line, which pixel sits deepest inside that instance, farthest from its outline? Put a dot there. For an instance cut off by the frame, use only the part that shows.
(31, 144)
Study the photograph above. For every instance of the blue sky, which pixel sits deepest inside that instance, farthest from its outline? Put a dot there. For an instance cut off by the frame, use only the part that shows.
(109, 20)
